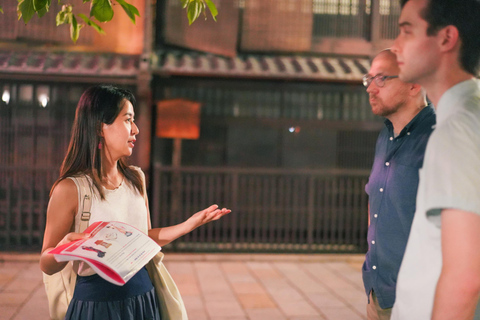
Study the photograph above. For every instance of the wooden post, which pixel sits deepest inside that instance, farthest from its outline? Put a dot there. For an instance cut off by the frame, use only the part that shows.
(177, 153)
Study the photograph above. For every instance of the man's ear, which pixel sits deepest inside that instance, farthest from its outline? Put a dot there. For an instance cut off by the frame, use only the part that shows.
(448, 38)
(415, 89)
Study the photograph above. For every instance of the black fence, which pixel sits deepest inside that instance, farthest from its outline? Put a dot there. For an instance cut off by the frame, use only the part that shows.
(274, 210)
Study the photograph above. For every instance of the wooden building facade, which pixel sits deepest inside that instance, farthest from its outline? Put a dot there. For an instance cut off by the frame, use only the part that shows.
(286, 132)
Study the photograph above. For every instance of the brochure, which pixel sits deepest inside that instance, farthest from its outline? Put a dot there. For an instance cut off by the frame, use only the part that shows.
(115, 250)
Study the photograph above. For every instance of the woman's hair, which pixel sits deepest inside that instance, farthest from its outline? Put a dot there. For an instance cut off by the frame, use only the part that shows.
(97, 105)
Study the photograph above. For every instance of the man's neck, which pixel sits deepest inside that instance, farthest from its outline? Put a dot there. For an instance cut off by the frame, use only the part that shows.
(403, 117)
(443, 80)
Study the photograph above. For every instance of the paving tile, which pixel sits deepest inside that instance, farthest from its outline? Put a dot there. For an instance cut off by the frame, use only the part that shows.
(327, 299)
(347, 272)
(287, 297)
(255, 301)
(7, 312)
(195, 307)
(237, 272)
(179, 267)
(265, 314)
(300, 278)
(225, 305)
(223, 286)
(198, 315)
(218, 296)
(22, 283)
(13, 298)
(228, 318)
(183, 273)
(37, 299)
(246, 288)
(8, 272)
(193, 302)
(344, 294)
(187, 284)
(341, 314)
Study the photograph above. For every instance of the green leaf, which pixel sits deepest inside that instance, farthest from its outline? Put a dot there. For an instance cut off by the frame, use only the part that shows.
(213, 9)
(25, 10)
(91, 23)
(185, 3)
(102, 10)
(75, 29)
(60, 19)
(194, 10)
(1, 10)
(68, 8)
(42, 12)
(39, 4)
(130, 10)
(65, 15)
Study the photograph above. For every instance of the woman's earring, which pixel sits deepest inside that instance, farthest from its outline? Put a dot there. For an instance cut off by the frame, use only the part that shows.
(100, 145)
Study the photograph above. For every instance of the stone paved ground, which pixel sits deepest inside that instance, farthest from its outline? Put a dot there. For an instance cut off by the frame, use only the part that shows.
(222, 286)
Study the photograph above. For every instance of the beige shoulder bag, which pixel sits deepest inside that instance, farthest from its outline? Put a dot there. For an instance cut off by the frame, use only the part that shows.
(169, 298)
(60, 286)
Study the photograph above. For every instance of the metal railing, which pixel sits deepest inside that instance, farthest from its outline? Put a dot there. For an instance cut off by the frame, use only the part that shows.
(272, 209)
(23, 203)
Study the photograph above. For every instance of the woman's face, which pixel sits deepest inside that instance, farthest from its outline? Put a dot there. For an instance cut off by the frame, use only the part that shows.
(119, 137)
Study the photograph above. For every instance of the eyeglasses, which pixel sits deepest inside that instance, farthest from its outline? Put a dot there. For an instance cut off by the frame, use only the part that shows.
(379, 80)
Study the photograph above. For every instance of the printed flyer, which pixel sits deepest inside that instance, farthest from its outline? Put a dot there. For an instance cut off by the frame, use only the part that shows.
(115, 250)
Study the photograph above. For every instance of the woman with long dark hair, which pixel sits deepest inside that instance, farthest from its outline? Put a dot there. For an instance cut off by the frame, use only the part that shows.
(103, 135)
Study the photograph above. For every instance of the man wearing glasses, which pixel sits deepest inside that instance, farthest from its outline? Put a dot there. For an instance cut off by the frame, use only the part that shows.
(393, 181)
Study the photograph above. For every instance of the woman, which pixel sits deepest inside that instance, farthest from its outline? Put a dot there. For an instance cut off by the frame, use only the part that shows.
(103, 134)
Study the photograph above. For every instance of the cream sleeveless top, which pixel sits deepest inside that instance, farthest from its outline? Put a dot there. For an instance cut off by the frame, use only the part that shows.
(124, 204)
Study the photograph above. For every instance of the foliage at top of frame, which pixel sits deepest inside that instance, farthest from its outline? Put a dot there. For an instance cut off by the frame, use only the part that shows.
(101, 11)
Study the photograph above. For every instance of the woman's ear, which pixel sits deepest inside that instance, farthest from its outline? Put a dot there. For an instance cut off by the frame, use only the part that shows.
(102, 126)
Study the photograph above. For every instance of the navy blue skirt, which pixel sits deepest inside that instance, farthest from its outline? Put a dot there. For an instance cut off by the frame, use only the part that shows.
(95, 298)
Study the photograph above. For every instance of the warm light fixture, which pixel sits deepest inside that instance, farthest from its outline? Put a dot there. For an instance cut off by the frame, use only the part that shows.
(43, 100)
(6, 96)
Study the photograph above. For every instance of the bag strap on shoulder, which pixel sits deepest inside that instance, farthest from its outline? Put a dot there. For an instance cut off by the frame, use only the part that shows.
(85, 202)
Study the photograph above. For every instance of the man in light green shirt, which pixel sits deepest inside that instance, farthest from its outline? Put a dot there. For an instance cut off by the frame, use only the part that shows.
(439, 48)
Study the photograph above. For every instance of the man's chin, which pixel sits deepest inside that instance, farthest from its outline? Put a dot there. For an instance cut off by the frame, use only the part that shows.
(404, 77)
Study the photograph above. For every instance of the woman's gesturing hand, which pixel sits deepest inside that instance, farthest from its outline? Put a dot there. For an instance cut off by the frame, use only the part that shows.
(207, 215)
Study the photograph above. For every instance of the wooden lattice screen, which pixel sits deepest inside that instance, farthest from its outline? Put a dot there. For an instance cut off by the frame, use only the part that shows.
(277, 25)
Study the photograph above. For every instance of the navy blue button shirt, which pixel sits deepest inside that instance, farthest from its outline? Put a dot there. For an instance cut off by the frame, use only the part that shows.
(392, 189)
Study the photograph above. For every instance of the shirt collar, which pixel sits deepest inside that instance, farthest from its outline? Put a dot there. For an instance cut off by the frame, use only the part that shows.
(453, 97)
(427, 110)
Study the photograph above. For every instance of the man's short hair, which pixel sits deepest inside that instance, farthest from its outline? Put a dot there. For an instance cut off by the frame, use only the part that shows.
(465, 16)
